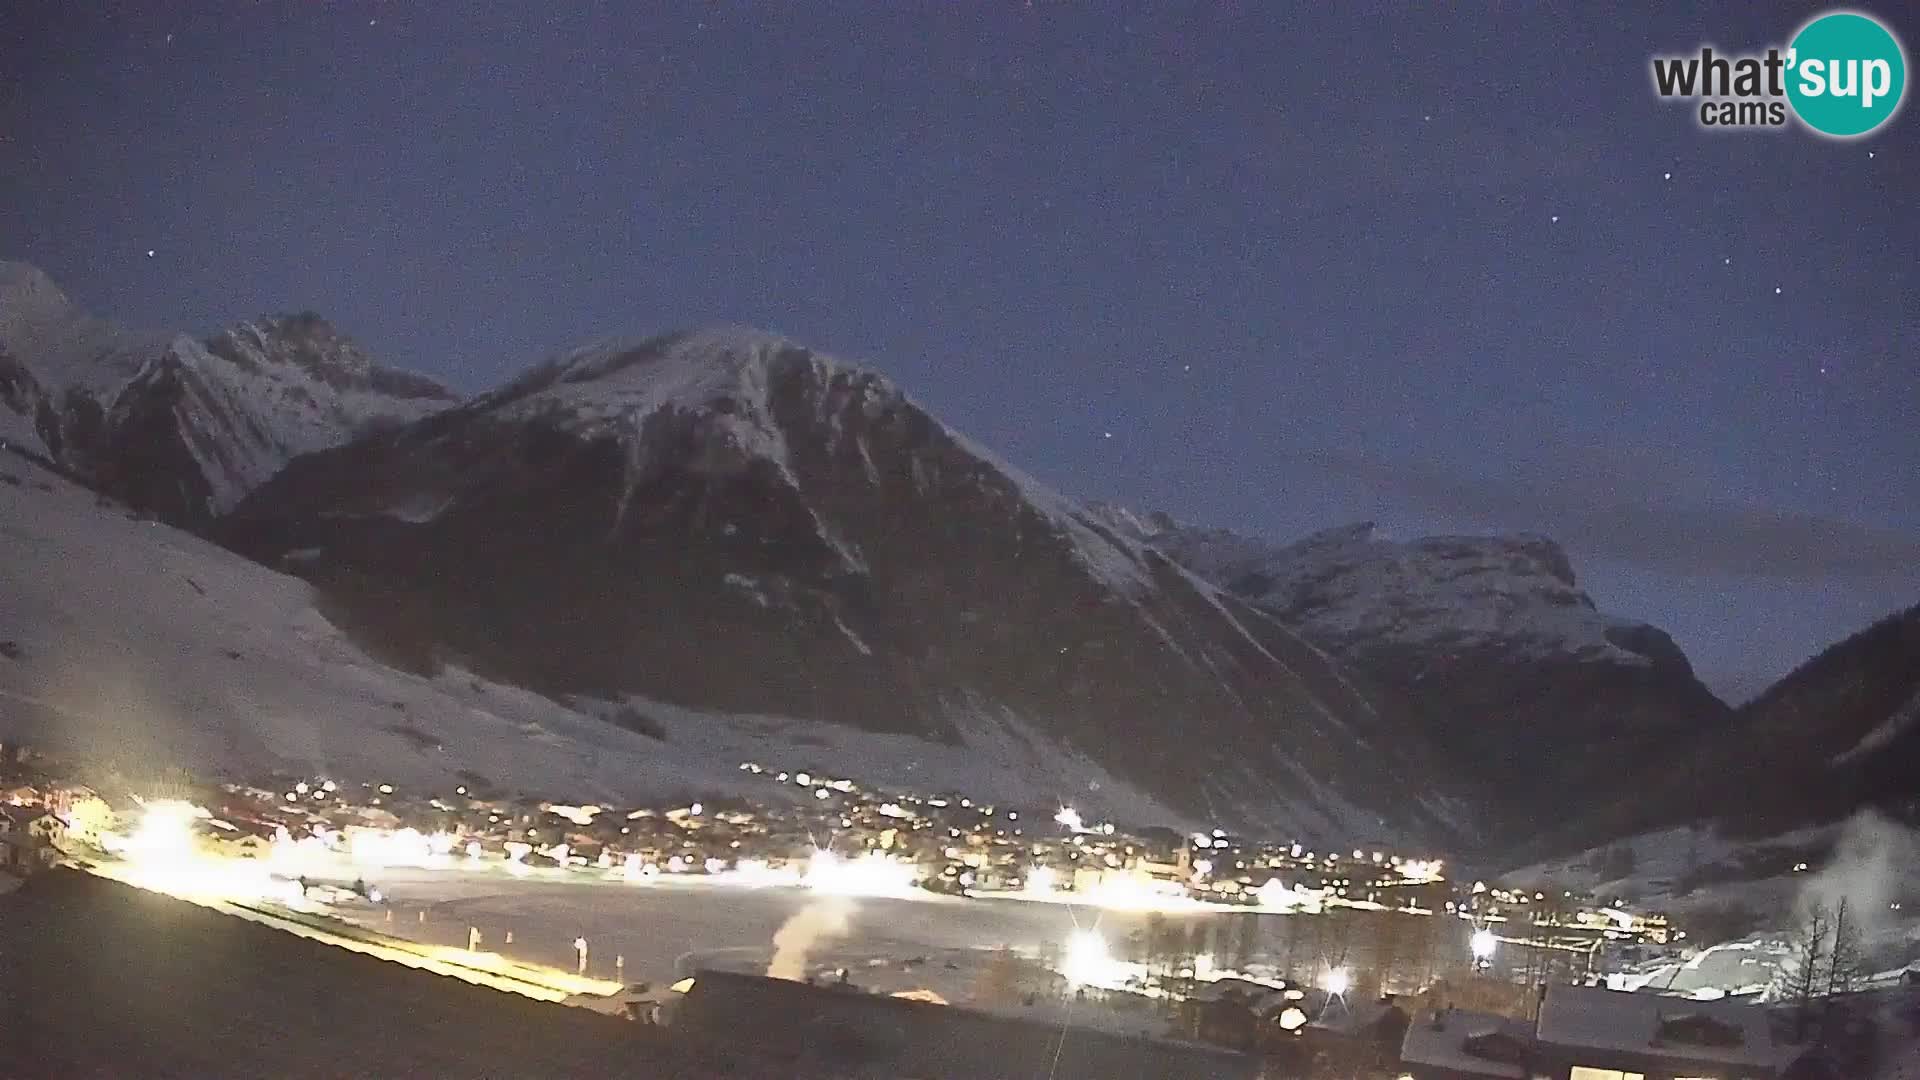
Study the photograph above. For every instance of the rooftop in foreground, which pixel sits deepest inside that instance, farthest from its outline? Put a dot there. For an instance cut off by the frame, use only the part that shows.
(103, 979)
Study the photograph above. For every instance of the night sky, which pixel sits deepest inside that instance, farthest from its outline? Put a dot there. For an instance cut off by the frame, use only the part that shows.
(1270, 271)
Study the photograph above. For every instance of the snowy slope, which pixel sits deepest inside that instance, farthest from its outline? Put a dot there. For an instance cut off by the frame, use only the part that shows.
(1488, 639)
(144, 645)
(1352, 589)
(66, 347)
(181, 428)
(736, 524)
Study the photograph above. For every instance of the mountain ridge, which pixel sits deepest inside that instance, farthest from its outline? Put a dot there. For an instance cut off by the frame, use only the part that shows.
(178, 427)
(1487, 639)
(860, 558)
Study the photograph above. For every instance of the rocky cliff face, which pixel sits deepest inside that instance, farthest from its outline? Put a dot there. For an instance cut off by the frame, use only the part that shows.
(1838, 734)
(1489, 640)
(731, 521)
(180, 428)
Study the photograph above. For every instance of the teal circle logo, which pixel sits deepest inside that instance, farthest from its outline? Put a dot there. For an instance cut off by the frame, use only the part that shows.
(1846, 74)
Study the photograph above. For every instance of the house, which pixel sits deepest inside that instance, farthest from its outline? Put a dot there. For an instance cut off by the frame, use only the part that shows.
(1455, 1044)
(28, 836)
(85, 813)
(1591, 1033)
(19, 795)
(32, 823)
(242, 843)
(1359, 1034)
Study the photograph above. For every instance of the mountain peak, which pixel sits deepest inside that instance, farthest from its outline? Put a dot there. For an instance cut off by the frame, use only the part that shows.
(703, 358)
(314, 347)
(25, 287)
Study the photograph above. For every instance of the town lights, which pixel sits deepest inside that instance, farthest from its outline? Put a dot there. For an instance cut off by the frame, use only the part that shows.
(165, 832)
(1483, 943)
(1041, 880)
(1070, 817)
(872, 874)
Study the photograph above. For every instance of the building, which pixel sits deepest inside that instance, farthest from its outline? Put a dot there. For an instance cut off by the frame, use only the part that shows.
(29, 839)
(1455, 1044)
(1358, 1035)
(241, 844)
(1591, 1033)
(837, 1031)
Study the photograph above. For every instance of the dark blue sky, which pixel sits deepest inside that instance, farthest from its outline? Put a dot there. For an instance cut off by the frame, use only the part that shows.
(1264, 268)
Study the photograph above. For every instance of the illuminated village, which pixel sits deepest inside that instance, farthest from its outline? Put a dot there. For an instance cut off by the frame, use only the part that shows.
(1316, 959)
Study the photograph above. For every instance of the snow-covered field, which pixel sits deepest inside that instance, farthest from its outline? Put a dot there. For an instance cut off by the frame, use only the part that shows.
(145, 646)
(1663, 862)
(667, 926)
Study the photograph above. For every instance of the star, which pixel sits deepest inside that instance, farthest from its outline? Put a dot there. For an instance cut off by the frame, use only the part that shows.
(1728, 261)
(1555, 218)
(1776, 290)
(1666, 176)
(1107, 434)
(149, 253)
(1870, 153)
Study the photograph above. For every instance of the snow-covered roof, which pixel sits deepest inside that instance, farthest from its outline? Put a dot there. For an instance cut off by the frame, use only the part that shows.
(1582, 1017)
(1442, 1043)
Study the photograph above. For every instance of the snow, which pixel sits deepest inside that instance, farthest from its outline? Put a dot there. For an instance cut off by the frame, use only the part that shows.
(1664, 858)
(148, 647)
(724, 374)
(997, 758)
(1888, 730)
(1445, 1047)
(258, 413)
(1449, 593)
(419, 509)
(1577, 1016)
(847, 632)
(18, 431)
(619, 384)
(62, 345)
(254, 397)
(1113, 559)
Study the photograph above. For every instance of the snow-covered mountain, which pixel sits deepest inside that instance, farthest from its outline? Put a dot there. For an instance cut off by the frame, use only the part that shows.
(1488, 639)
(180, 428)
(1838, 734)
(139, 646)
(728, 521)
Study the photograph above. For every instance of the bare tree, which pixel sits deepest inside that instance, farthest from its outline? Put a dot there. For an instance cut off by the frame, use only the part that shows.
(1246, 943)
(1806, 963)
(1201, 941)
(999, 981)
(1844, 956)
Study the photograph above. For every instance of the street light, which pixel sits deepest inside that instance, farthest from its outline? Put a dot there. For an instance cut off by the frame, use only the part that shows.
(1336, 982)
(1483, 943)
